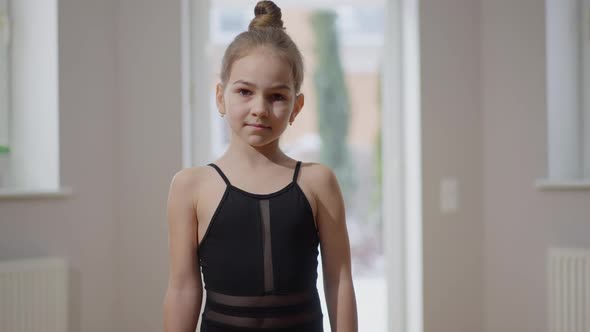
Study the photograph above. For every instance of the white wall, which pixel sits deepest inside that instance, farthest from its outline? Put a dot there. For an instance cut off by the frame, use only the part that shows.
(521, 222)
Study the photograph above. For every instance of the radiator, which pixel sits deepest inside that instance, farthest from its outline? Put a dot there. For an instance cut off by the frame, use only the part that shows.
(569, 290)
(34, 295)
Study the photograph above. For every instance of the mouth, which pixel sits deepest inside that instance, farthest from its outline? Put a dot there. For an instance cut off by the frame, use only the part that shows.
(257, 125)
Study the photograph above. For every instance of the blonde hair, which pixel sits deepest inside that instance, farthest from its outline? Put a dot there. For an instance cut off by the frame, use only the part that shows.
(265, 30)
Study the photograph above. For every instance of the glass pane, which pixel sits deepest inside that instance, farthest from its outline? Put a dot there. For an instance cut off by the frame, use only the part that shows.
(342, 50)
(4, 96)
(586, 84)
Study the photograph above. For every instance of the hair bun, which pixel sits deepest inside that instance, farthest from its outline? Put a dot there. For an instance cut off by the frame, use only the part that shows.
(267, 14)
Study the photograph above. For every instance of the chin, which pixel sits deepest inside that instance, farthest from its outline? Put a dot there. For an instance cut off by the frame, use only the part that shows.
(257, 141)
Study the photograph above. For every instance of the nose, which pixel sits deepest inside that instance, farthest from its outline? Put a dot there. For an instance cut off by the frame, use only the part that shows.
(260, 106)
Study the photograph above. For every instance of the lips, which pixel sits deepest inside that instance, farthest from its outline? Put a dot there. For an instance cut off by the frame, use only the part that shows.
(258, 125)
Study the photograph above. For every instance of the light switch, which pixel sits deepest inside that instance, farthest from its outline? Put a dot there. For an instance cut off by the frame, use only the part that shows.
(449, 195)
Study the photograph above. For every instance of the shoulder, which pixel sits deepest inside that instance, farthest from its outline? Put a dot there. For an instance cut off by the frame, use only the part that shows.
(319, 175)
(187, 181)
(188, 176)
(327, 199)
(321, 180)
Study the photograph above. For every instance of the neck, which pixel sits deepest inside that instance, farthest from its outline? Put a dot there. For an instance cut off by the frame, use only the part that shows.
(254, 156)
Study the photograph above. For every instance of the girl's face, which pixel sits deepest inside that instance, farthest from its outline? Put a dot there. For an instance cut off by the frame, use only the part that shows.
(259, 100)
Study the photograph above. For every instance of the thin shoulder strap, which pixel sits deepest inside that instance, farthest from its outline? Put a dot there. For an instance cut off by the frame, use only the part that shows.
(296, 170)
(220, 173)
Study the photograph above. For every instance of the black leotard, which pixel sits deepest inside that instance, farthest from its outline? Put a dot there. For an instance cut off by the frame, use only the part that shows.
(259, 262)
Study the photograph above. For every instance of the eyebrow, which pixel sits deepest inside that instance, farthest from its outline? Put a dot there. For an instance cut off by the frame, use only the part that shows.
(278, 86)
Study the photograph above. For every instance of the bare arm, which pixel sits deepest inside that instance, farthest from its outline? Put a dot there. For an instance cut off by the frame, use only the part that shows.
(335, 249)
(182, 302)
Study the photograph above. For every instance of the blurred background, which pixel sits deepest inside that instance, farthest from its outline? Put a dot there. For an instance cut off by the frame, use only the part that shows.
(463, 152)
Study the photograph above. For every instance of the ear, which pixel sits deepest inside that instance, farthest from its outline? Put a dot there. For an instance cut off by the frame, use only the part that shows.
(299, 101)
(219, 98)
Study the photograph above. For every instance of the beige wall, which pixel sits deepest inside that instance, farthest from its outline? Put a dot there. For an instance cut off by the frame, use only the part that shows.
(521, 222)
(120, 145)
(452, 147)
(82, 227)
(148, 153)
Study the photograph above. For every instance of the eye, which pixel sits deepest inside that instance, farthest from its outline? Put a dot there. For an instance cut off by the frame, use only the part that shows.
(278, 97)
(244, 92)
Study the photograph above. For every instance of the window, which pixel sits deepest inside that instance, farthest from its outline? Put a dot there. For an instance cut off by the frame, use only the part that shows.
(4, 98)
(227, 22)
(29, 119)
(568, 92)
(585, 37)
(359, 25)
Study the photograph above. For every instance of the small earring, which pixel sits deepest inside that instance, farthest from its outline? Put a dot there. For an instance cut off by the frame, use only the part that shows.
(222, 114)
(290, 123)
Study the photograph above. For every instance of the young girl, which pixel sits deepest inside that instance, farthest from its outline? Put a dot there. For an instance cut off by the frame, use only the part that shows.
(253, 220)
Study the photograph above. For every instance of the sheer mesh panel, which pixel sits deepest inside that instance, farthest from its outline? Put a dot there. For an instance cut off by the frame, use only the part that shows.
(308, 310)
(268, 270)
(265, 322)
(260, 301)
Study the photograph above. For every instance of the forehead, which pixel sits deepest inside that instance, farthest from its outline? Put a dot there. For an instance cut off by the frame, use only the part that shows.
(263, 68)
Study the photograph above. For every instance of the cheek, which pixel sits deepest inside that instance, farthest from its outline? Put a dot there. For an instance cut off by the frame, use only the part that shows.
(235, 106)
(282, 108)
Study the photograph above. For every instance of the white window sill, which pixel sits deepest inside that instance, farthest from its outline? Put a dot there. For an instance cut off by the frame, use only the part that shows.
(563, 185)
(27, 193)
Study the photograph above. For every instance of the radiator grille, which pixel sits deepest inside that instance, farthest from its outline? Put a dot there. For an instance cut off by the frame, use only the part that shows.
(33, 295)
(569, 290)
